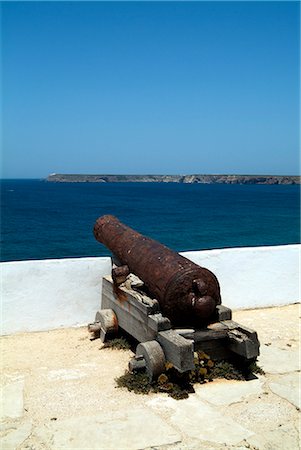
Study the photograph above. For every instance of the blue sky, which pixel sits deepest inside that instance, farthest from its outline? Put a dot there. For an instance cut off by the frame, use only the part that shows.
(150, 87)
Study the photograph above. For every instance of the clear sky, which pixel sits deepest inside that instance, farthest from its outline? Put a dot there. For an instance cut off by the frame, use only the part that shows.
(150, 87)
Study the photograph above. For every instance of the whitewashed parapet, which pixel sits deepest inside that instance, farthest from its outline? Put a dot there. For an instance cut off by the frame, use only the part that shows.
(48, 294)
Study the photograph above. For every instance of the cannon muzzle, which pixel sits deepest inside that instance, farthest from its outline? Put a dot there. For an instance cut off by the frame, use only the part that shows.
(187, 293)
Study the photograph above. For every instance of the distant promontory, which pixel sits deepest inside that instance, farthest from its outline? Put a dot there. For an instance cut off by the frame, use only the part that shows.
(204, 179)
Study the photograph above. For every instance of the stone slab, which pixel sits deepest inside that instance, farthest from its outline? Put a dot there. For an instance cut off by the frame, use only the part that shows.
(288, 386)
(276, 360)
(197, 419)
(15, 436)
(65, 374)
(12, 400)
(261, 413)
(284, 437)
(133, 429)
(160, 403)
(228, 392)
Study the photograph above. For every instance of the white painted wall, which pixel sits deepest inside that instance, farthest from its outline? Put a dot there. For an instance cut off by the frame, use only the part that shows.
(47, 294)
(53, 293)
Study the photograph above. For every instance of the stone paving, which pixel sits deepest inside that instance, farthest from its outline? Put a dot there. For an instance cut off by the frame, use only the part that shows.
(58, 392)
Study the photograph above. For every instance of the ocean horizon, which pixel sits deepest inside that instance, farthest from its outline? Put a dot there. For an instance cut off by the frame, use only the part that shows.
(42, 220)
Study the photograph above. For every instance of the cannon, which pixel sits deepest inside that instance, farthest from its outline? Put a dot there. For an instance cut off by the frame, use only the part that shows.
(170, 305)
(187, 293)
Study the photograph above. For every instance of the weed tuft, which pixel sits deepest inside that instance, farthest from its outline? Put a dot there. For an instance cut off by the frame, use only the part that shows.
(179, 385)
(137, 382)
(117, 344)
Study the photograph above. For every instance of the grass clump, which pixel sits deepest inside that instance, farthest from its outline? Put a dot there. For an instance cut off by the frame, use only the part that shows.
(207, 370)
(179, 385)
(225, 369)
(118, 344)
(137, 382)
(254, 368)
(173, 384)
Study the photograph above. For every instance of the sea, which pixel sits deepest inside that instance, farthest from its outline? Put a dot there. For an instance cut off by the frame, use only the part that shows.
(40, 219)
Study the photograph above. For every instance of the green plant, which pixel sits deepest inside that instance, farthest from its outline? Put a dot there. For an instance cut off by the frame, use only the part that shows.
(117, 343)
(178, 385)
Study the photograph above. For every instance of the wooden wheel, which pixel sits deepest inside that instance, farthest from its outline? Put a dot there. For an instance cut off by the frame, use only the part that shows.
(154, 357)
(106, 323)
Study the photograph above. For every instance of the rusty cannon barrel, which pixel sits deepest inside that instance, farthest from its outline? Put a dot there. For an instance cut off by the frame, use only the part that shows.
(187, 293)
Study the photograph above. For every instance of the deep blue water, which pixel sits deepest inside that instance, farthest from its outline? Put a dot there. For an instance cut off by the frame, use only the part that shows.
(55, 220)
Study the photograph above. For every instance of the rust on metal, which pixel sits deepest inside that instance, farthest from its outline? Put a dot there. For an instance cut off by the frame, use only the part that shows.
(120, 294)
(119, 274)
(187, 293)
(115, 323)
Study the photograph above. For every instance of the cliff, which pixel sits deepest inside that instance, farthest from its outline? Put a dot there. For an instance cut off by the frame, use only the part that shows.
(205, 179)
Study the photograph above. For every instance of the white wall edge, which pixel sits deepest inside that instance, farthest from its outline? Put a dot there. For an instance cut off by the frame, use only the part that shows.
(41, 295)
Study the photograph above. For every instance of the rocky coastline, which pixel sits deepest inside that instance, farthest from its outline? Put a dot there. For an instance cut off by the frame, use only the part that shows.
(203, 179)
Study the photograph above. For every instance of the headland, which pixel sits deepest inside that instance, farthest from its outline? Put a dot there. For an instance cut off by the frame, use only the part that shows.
(201, 179)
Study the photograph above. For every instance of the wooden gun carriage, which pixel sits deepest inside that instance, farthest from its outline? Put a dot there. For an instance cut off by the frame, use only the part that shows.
(199, 321)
